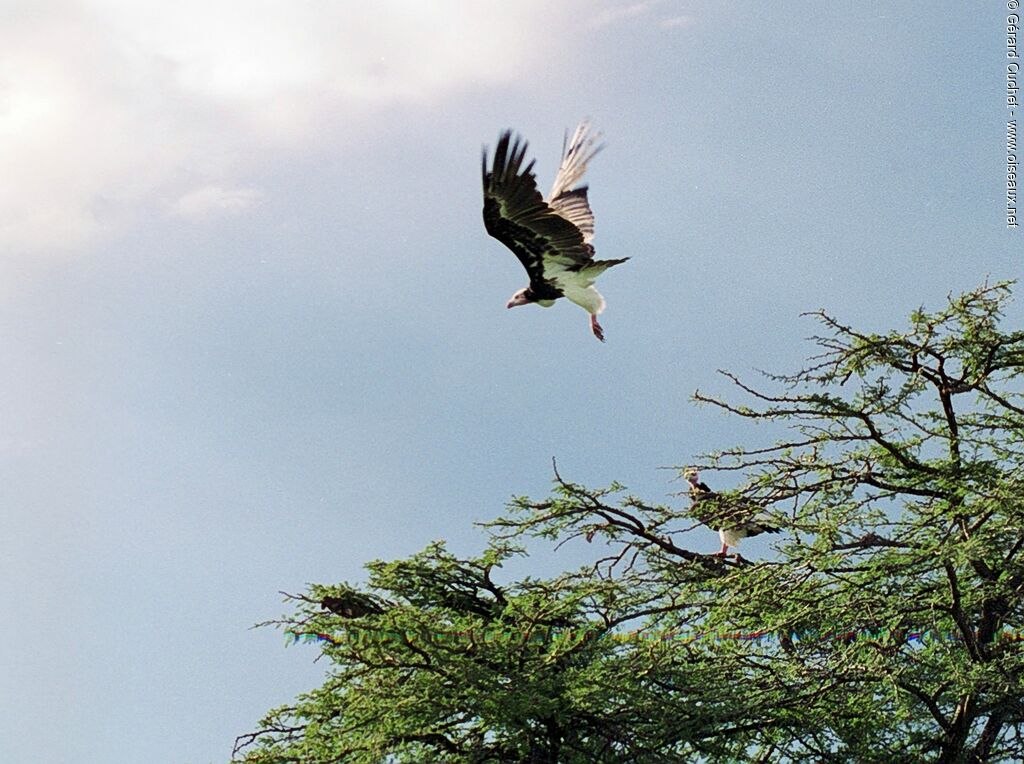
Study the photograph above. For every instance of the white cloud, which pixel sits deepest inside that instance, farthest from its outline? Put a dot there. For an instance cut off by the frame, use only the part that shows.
(108, 104)
(618, 13)
(677, 21)
(210, 201)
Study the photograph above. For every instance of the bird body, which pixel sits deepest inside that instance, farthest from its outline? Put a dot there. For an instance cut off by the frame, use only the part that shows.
(733, 536)
(550, 237)
(735, 522)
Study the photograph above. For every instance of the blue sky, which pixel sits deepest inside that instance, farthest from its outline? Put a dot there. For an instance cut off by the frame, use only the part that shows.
(255, 335)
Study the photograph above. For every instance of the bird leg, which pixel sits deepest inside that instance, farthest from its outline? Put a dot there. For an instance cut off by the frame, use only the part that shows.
(724, 552)
(596, 328)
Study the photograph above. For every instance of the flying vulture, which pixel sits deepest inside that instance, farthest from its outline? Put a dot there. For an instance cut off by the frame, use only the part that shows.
(551, 238)
(735, 521)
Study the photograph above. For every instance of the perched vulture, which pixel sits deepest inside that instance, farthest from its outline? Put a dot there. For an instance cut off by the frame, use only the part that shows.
(734, 520)
(351, 605)
(551, 238)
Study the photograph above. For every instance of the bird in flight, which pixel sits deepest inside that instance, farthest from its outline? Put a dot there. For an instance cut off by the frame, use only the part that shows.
(551, 238)
(735, 520)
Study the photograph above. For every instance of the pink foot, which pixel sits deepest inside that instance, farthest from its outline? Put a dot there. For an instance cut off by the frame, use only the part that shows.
(596, 328)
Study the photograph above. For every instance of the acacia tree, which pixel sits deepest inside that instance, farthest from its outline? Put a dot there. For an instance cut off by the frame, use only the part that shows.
(886, 627)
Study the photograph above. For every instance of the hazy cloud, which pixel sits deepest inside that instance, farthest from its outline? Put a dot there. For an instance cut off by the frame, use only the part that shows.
(105, 104)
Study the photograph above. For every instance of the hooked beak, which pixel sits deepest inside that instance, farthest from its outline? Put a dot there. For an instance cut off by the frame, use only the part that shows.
(519, 298)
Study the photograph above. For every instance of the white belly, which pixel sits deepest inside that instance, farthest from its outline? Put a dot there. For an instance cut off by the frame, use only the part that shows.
(578, 288)
(732, 536)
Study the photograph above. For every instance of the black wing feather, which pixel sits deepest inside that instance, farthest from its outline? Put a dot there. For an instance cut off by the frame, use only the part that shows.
(717, 511)
(516, 214)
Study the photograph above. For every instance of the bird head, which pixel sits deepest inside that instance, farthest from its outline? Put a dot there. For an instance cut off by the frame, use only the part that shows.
(520, 298)
(692, 477)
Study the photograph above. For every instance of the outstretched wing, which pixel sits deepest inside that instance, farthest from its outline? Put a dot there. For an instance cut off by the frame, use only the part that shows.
(516, 214)
(571, 203)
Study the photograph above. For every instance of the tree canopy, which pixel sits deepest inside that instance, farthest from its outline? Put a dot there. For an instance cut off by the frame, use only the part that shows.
(885, 626)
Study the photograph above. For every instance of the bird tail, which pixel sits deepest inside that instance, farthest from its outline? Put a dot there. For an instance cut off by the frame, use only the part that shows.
(606, 264)
(756, 528)
(576, 153)
(597, 267)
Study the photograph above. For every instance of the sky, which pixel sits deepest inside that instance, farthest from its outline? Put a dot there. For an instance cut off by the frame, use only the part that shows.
(254, 333)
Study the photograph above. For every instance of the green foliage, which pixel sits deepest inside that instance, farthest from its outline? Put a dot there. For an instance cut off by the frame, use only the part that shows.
(887, 627)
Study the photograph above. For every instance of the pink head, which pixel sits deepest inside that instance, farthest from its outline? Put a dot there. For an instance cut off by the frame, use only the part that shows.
(522, 297)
